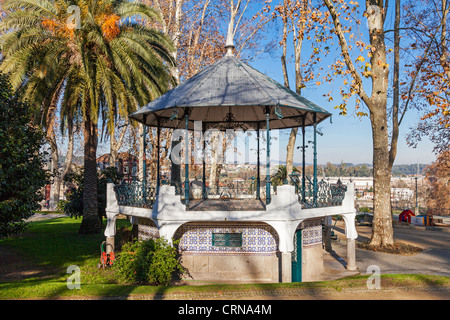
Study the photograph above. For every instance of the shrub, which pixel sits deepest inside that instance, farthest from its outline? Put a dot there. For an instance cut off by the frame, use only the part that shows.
(74, 206)
(22, 159)
(61, 205)
(154, 262)
(125, 235)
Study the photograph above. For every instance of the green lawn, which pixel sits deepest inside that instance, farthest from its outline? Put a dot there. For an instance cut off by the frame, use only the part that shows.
(55, 244)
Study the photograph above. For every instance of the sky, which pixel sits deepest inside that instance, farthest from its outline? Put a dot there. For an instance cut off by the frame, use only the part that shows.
(347, 138)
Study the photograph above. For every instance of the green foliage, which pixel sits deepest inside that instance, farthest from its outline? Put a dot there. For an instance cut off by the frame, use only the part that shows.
(281, 176)
(153, 262)
(74, 204)
(364, 170)
(407, 169)
(61, 205)
(111, 63)
(105, 71)
(21, 162)
(347, 170)
(55, 244)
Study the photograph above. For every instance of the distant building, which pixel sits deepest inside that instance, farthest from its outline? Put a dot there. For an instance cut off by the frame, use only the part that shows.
(361, 183)
(367, 195)
(400, 194)
(126, 164)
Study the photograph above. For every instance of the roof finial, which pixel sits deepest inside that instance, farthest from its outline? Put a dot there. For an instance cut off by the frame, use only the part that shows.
(229, 48)
(230, 45)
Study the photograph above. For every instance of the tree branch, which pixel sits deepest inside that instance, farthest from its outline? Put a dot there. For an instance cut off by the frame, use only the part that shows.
(346, 55)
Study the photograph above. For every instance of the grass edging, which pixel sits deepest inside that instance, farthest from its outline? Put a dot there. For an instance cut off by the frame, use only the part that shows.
(51, 289)
(55, 244)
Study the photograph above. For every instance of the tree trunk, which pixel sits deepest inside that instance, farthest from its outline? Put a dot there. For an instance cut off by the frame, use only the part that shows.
(298, 43)
(284, 41)
(91, 222)
(216, 165)
(141, 151)
(175, 168)
(116, 145)
(443, 39)
(114, 151)
(383, 233)
(396, 84)
(174, 70)
(290, 151)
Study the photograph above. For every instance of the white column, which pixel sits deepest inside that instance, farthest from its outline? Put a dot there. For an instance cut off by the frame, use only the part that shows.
(327, 234)
(286, 231)
(110, 231)
(286, 267)
(167, 229)
(351, 255)
(351, 235)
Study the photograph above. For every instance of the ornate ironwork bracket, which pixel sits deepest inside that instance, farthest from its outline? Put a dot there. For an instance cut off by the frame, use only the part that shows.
(135, 194)
(324, 195)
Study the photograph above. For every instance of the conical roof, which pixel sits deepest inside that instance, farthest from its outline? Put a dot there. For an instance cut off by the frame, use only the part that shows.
(230, 94)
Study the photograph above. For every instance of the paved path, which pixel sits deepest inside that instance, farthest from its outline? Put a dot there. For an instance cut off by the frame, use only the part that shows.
(420, 293)
(46, 216)
(433, 260)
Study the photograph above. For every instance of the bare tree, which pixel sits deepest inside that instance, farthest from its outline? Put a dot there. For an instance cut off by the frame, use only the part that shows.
(383, 234)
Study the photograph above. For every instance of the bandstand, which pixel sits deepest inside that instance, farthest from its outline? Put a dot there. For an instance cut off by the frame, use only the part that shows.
(264, 236)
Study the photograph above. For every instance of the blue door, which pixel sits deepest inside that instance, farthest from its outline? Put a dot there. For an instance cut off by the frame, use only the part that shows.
(297, 257)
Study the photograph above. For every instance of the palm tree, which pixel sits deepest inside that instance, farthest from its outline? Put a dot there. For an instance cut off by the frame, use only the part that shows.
(281, 176)
(104, 69)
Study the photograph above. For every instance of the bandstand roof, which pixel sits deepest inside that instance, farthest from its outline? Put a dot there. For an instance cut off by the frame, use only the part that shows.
(230, 94)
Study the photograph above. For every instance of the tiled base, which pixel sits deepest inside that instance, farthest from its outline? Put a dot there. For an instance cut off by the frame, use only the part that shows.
(258, 239)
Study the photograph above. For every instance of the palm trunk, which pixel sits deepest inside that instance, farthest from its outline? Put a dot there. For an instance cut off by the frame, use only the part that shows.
(51, 138)
(91, 222)
(54, 191)
(67, 162)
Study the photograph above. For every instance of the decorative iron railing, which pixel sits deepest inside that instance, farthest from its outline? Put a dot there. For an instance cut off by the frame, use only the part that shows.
(325, 194)
(136, 194)
(229, 191)
(143, 195)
